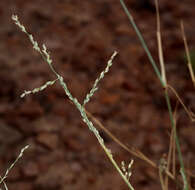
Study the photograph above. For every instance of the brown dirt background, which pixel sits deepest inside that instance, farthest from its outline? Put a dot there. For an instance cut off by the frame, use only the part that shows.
(81, 36)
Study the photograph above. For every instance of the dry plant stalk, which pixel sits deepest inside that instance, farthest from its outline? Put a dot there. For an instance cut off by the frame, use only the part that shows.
(134, 151)
(189, 113)
(172, 153)
(189, 63)
(159, 41)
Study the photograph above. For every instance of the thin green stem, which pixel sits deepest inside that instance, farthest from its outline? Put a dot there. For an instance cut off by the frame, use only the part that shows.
(142, 42)
(176, 137)
(163, 85)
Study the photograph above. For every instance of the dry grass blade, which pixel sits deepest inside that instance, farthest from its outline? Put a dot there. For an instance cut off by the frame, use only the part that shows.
(171, 154)
(174, 148)
(133, 151)
(189, 177)
(187, 54)
(159, 41)
(190, 113)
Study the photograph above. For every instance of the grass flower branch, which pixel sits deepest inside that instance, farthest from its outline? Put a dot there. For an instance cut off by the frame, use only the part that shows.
(95, 88)
(46, 56)
(2, 179)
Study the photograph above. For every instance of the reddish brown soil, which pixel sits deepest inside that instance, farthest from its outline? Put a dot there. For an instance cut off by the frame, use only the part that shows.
(81, 36)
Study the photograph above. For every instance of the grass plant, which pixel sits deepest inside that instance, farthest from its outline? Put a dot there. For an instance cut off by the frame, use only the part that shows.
(3, 178)
(125, 170)
(162, 78)
(190, 56)
(125, 173)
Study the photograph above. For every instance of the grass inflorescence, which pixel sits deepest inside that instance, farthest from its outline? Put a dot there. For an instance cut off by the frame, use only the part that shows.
(125, 169)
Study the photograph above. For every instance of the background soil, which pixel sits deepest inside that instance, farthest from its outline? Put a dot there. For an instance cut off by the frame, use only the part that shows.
(81, 36)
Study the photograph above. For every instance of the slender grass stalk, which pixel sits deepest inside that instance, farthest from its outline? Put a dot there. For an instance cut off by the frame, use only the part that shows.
(46, 56)
(142, 42)
(185, 184)
(2, 179)
(175, 134)
(189, 113)
(164, 86)
(171, 153)
(134, 151)
(189, 61)
(159, 40)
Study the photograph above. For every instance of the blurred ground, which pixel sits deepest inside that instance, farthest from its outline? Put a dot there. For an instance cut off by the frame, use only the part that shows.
(81, 36)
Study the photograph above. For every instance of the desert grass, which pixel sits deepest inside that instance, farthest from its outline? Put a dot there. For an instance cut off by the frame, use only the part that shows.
(124, 172)
(164, 166)
(162, 78)
(189, 61)
(3, 178)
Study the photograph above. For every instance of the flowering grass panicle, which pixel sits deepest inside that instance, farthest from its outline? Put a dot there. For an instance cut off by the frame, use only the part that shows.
(2, 179)
(46, 56)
